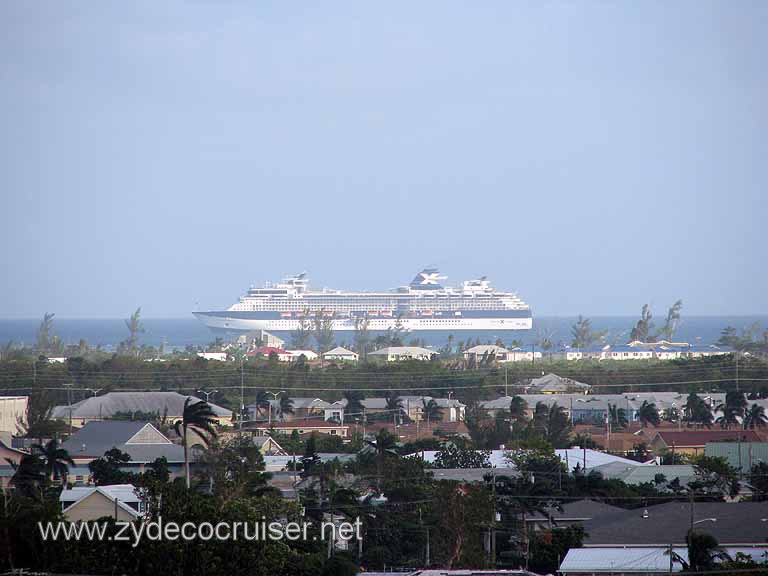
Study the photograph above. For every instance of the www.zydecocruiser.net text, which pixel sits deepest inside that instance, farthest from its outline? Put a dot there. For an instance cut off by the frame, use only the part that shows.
(157, 530)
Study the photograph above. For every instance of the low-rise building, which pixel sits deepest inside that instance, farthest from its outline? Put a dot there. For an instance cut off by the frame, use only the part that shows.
(309, 355)
(340, 354)
(270, 352)
(486, 353)
(694, 442)
(169, 405)
(400, 353)
(140, 440)
(87, 503)
(217, 356)
(554, 384)
(306, 426)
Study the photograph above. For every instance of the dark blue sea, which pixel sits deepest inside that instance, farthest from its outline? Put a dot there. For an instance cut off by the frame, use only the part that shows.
(180, 332)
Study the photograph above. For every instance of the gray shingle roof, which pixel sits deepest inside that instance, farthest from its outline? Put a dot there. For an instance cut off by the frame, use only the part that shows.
(107, 405)
(96, 438)
(737, 523)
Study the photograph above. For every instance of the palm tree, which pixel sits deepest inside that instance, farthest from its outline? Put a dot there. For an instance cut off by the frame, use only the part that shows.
(286, 406)
(703, 552)
(394, 404)
(732, 409)
(518, 409)
(55, 459)
(261, 402)
(198, 417)
(648, 414)
(617, 417)
(354, 404)
(431, 410)
(384, 445)
(755, 417)
(29, 475)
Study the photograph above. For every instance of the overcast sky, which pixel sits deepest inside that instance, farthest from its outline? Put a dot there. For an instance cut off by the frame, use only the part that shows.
(592, 156)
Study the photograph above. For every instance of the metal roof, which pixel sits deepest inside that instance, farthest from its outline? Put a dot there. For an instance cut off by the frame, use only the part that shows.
(107, 405)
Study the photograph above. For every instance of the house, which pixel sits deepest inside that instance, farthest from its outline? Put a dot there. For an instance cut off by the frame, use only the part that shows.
(485, 352)
(270, 352)
(86, 503)
(521, 355)
(661, 475)
(695, 441)
(302, 426)
(740, 455)
(309, 355)
(303, 407)
(257, 338)
(400, 353)
(13, 409)
(169, 405)
(554, 384)
(140, 440)
(573, 513)
(218, 356)
(340, 354)
(267, 445)
(566, 353)
(638, 541)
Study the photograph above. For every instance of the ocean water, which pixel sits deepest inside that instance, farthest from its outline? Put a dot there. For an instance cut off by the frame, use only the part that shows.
(180, 332)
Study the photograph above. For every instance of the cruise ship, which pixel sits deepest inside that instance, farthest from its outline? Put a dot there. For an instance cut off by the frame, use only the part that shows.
(424, 304)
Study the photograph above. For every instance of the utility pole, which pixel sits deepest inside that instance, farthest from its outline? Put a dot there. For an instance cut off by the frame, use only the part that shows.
(736, 355)
(68, 386)
(493, 526)
(506, 381)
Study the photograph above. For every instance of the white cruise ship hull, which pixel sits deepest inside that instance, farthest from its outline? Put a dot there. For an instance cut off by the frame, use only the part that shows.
(222, 322)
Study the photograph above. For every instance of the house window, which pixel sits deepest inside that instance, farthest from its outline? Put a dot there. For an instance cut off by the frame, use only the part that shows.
(333, 431)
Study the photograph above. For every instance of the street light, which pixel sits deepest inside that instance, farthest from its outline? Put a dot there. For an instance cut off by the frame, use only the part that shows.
(275, 395)
(207, 394)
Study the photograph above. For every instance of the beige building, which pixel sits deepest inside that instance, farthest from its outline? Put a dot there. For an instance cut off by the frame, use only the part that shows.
(119, 501)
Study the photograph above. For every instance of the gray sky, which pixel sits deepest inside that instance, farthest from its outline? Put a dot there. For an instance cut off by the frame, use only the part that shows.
(591, 155)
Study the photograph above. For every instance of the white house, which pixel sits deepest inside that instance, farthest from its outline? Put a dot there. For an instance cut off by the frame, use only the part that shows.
(398, 353)
(341, 355)
(520, 355)
(119, 501)
(308, 354)
(218, 356)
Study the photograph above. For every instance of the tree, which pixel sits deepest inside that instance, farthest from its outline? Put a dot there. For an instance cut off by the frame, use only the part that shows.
(384, 445)
(29, 476)
(322, 330)
(300, 337)
(107, 469)
(38, 421)
(135, 327)
(643, 328)
(45, 333)
(393, 405)
(755, 417)
(362, 337)
(617, 417)
(673, 319)
(703, 552)
(732, 409)
(452, 455)
(696, 410)
(56, 460)
(354, 405)
(518, 409)
(648, 414)
(286, 406)
(582, 334)
(432, 412)
(199, 418)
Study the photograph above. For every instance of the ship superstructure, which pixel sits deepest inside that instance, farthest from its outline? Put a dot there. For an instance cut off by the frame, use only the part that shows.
(424, 304)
